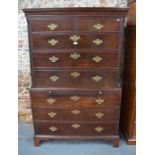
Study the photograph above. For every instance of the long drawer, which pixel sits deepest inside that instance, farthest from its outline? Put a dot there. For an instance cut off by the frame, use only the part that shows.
(66, 98)
(84, 59)
(75, 79)
(76, 41)
(76, 129)
(76, 114)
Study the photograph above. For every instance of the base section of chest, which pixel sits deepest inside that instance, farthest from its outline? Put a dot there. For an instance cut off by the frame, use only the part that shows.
(107, 138)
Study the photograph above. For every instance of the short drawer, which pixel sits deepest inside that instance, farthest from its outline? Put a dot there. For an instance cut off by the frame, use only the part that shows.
(78, 41)
(64, 59)
(76, 129)
(76, 98)
(75, 79)
(52, 25)
(76, 114)
(98, 24)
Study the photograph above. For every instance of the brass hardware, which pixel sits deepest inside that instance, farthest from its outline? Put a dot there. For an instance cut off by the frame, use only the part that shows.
(75, 126)
(97, 58)
(52, 114)
(118, 20)
(52, 26)
(98, 26)
(54, 78)
(75, 74)
(53, 128)
(53, 59)
(75, 56)
(96, 78)
(99, 114)
(74, 38)
(97, 42)
(75, 98)
(52, 42)
(50, 100)
(99, 101)
(99, 129)
(75, 112)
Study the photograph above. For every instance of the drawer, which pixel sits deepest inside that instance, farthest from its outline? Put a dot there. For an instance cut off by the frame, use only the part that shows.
(76, 98)
(75, 129)
(76, 114)
(75, 79)
(52, 25)
(93, 59)
(107, 40)
(98, 24)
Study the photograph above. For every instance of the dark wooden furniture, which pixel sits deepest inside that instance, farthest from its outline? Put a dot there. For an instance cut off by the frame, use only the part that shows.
(76, 56)
(128, 107)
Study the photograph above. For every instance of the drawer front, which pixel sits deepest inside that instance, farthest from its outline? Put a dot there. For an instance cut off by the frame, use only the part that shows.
(74, 99)
(74, 79)
(108, 40)
(76, 129)
(98, 24)
(76, 114)
(76, 59)
(52, 25)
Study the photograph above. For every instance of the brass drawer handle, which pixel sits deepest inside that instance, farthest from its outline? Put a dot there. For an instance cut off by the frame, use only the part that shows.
(99, 115)
(99, 129)
(75, 56)
(75, 39)
(54, 78)
(97, 58)
(75, 112)
(75, 74)
(52, 26)
(98, 26)
(99, 101)
(97, 42)
(75, 98)
(76, 126)
(53, 42)
(52, 114)
(53, 59)
(53, 128)
(97, 78)
(50, 100)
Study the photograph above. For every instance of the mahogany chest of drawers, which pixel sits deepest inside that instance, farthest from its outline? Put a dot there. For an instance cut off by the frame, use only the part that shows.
(76, 60)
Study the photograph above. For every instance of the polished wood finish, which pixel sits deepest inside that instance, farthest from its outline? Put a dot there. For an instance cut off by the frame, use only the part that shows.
(107, 79)
(86, 99)
(75, 58)
(85, 59)
(111, 41)
(128, 112)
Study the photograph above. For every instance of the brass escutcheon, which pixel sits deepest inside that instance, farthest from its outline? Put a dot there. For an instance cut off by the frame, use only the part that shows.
(97, 58)
(98, 26)
(54, 78)
(99, 115)
(99, 129)
(53, 128)
(97, 42)
(97, 78)
(53, 59)
(50, 100)
(76, 126)
(75, 98)
(52, 26)
(52, 114)
(53, 42)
